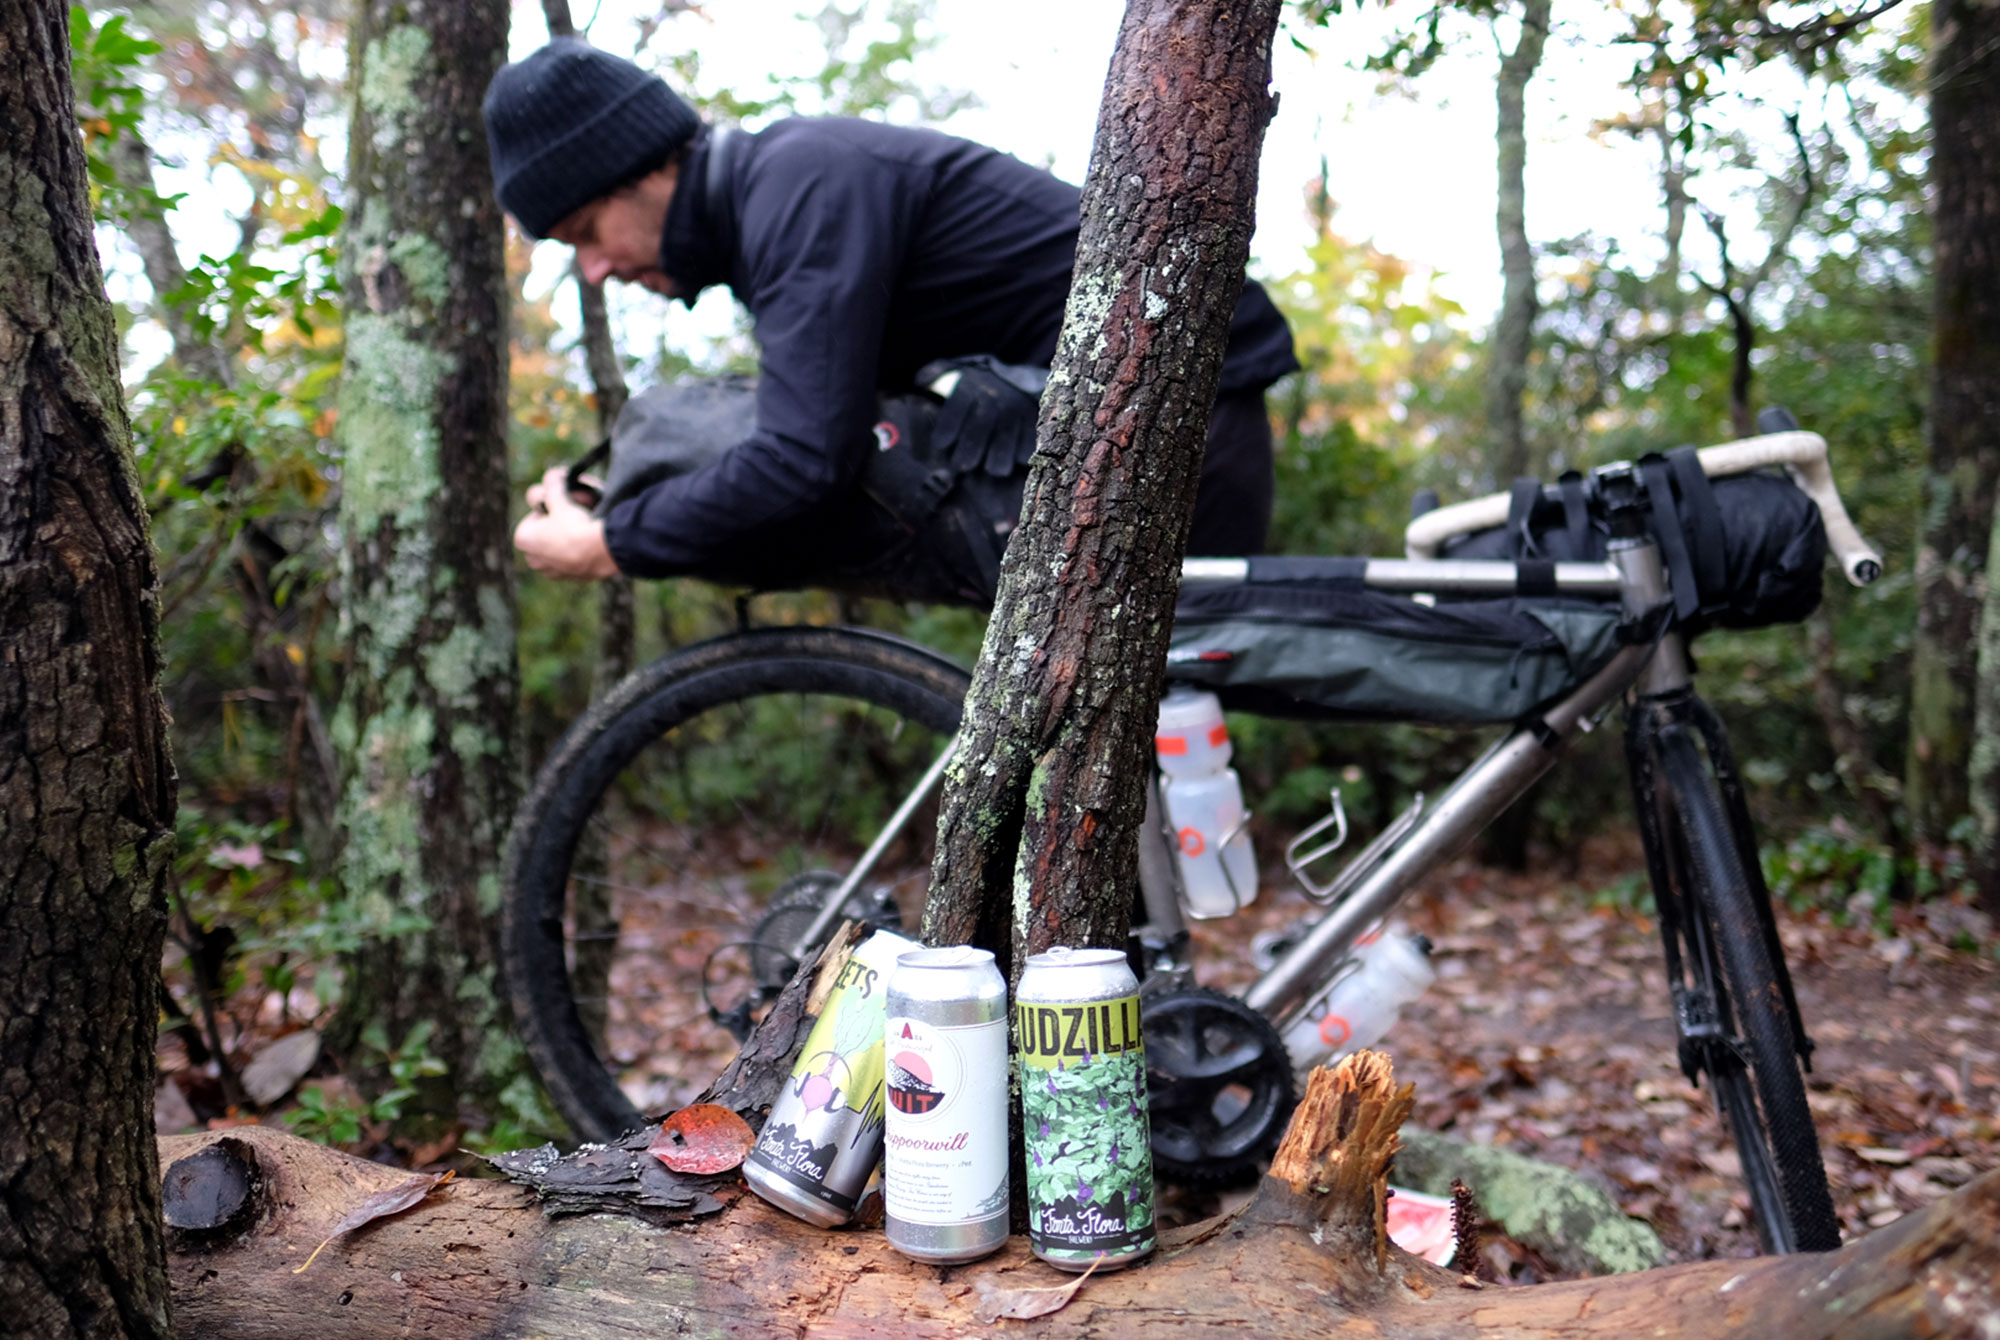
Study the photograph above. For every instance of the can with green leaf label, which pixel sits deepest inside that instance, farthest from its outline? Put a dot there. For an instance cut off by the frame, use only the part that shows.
(1083, 1109)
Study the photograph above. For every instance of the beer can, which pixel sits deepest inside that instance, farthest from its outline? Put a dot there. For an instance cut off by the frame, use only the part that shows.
(944, 1161)
(823, 1138)
(1083, 1108)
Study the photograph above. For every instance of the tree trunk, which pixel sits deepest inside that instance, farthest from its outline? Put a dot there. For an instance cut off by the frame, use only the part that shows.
(1964, 451)
(426, 724)
(1513, 330)
(479, 1261)
(86, 784)
(1965, 375)
(1038, 827)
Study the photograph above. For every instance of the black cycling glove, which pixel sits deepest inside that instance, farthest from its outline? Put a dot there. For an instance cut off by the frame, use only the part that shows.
(987, 422)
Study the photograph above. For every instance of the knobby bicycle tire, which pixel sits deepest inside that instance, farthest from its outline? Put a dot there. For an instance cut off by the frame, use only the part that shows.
(1773, 1125)
(714, 774)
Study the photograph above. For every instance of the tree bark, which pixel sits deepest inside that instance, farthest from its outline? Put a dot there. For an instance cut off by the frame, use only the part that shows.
(86, 784)
(426, 724)
(1513, 330)
(1038, 827)
(1305, 1258)
(1947, 657)
(1965, 376)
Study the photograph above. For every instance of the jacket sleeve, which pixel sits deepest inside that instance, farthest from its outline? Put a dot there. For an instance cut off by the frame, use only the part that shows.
(823, 230)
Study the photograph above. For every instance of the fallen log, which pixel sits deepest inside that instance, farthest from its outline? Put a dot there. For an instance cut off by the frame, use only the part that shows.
(1307, 1256)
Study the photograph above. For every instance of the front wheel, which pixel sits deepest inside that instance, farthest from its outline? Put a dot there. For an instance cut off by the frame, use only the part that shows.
(1735, 1011)
(706, 788)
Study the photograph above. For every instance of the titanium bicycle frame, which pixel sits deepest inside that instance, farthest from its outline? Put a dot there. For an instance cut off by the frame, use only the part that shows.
(1656, 673)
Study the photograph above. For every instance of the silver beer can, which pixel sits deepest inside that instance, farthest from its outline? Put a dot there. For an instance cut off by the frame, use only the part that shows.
(944, 1165)
(1088, 1145)
(823, 1139)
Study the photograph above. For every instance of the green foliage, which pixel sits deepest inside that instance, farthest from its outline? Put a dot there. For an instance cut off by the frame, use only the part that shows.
(1826, 867)
(103, 60)
(334, 1115)
(242, 300)
(329, 1118)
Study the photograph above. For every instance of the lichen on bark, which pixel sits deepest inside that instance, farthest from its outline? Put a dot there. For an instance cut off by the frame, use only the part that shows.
(426, 721)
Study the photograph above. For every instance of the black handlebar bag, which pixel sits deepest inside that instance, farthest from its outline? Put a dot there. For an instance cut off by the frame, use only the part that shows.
(1742, 551)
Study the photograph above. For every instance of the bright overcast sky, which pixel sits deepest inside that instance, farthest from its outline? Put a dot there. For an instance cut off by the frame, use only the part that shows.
(1415, 175)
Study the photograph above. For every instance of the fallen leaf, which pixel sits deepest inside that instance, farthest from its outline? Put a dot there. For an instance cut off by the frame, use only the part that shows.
(1882, 1154)
(390, 1201)
(704, 1138)
(1021, 1304)
(280, 1066)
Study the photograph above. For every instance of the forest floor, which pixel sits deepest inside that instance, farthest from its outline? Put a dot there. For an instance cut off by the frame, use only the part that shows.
(1548, 1032)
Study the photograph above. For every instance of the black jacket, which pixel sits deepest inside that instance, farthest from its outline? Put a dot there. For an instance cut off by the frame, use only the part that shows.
(863, 251)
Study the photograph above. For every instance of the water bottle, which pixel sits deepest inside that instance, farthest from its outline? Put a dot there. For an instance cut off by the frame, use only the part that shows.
(1204, 803)
(1388, 970)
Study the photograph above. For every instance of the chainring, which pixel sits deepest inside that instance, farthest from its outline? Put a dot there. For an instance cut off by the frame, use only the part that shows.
(1219, 1082)
(793, 907)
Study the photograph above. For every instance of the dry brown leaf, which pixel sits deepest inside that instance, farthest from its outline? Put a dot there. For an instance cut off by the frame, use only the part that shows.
(391, 1200)
(1021, 1304)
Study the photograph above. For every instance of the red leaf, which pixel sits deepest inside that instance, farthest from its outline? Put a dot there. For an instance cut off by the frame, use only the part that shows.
(705, 1138)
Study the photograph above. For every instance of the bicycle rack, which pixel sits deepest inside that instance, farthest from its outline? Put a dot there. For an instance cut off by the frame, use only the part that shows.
(1297, 860)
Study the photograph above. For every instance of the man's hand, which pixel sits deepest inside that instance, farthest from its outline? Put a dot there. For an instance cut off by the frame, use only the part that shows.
(559, 538)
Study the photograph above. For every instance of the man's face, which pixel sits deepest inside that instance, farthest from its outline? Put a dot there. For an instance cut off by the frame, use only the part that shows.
(618, 236)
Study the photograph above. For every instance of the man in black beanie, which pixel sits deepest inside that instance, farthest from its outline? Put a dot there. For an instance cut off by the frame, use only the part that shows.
(865, 253)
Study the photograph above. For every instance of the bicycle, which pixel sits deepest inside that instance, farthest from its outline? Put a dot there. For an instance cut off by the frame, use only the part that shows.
(866, 723)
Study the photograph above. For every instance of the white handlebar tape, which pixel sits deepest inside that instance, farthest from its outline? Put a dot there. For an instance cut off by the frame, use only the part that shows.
(1802, 454)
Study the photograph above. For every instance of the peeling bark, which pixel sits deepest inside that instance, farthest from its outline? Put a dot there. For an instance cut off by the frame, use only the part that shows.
(1038, 829)
(426, 724)
(86, 785)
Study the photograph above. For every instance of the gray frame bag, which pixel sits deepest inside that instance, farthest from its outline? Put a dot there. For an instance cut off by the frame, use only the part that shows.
(930, 519)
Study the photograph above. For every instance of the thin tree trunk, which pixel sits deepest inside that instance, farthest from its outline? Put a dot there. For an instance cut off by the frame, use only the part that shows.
(1513, 330)
(1874, 790)
(1038, 829)
(596, 923)
(426, 723)
(1965, 377)
(1673, 188)
(86, 784)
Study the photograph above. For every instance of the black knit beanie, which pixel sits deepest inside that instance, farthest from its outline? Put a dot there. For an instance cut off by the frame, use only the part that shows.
(572, 123)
